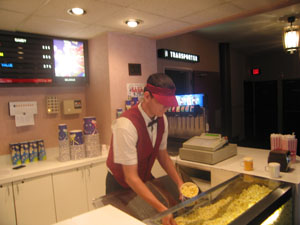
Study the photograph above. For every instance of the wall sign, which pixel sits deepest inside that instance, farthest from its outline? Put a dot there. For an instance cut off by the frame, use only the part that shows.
(175, 55)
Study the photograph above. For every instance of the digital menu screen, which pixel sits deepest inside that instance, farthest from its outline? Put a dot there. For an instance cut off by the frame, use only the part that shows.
(25, 59)
(29, 59)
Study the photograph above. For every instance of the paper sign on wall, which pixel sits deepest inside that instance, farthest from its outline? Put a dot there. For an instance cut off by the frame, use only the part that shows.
(135, 90)
(23, 112)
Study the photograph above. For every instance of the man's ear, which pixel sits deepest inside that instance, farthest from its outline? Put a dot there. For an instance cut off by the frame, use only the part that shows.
(147, 96)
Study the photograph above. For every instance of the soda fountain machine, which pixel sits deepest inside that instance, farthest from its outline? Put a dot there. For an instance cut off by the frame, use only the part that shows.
(186, 120)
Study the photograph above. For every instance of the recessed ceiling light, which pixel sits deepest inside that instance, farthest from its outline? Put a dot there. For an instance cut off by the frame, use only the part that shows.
(76, 11)
(133, 22)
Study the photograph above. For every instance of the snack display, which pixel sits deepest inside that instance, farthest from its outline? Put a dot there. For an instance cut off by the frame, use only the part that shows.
(241, 199)
(225, 210)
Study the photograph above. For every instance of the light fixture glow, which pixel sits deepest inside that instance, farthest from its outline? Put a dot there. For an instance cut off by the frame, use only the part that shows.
(133, 22)
(76, 11)
(291, 37)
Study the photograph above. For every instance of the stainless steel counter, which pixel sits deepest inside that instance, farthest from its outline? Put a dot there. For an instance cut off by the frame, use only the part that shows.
(128, 201)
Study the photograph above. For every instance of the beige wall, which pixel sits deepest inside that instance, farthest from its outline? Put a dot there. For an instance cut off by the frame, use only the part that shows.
(45, 124)
(109, 55)
(98, 91)
(109, 58)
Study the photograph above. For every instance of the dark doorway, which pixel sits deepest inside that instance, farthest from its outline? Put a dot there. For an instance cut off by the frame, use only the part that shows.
(182, 80)
(209, 84)
(261, 112)
(291, 108)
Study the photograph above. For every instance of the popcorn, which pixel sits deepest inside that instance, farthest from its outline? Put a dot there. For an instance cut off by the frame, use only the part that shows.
(189, 190)
(225, 210)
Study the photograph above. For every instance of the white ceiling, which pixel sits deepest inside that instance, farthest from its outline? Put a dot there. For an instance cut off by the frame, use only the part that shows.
(238, 22)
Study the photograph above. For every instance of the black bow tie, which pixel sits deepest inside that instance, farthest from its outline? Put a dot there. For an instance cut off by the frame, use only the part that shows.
(152, 122)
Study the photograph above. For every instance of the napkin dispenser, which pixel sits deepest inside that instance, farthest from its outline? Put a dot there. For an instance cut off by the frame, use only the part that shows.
(281, 157)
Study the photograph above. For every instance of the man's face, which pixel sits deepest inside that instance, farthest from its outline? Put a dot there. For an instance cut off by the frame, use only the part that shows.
(153, 107)
(157, 108)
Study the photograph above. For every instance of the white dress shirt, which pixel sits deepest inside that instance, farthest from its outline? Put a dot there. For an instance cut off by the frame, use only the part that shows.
(125, 138)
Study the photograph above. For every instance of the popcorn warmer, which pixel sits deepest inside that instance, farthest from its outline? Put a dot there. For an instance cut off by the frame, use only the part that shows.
(244, 199)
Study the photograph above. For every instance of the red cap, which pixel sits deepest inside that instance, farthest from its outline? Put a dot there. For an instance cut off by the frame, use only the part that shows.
(165, 96)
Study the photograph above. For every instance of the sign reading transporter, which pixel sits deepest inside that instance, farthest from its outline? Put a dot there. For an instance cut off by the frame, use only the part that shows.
(170, 54)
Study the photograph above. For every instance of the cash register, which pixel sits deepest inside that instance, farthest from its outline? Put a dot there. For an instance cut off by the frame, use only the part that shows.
(207, 148)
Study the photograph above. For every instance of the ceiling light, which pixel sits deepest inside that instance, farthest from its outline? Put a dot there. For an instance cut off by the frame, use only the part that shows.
(76, 11)
(133, 22)
(291, 36)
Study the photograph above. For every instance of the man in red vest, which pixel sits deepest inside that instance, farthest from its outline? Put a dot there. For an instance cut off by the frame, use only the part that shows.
(139, 137)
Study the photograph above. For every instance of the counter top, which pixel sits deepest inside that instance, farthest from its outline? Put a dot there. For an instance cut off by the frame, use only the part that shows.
(108, 215)
(51, 165)
(260, 161)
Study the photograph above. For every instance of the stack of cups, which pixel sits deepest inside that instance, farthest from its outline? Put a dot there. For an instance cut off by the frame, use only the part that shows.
(275, 140)
(76, 145)
(91, 137)
(63, 142)
(290, 144)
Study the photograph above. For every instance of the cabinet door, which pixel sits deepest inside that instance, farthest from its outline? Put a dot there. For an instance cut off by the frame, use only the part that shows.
(34, 201)
(7, 208)
(70, 193)
(95, 180)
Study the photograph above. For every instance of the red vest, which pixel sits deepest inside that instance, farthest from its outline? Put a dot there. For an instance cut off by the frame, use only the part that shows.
(146, 154)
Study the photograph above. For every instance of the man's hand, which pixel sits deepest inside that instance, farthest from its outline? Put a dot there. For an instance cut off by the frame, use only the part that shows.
(168, 220)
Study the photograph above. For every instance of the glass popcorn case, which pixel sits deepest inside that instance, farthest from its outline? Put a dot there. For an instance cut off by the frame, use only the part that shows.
(244, 199)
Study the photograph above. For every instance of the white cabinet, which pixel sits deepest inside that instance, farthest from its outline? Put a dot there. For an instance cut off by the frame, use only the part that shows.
(74, 190)
(7, 208)
(34, 201)
(95, 175)
(70, 193)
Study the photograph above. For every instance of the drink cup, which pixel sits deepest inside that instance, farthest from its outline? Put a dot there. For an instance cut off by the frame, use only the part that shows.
(247, 163)
(274, 169)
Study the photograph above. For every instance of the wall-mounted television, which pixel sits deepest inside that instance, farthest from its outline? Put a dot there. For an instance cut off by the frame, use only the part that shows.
(38, 60)
(190, 99)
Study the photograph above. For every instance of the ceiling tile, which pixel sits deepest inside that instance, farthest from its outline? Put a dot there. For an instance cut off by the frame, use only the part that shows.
(90, 31)
(174, 8)
(213, 14)
(96, 10)
(117, 20)
(125, 3)
(12, 20)
(165, 28)
(24, 6)
(44, 25)
(254, 4)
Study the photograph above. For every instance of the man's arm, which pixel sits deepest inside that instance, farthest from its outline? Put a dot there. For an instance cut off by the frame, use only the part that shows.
(167, 164)
(137, 185)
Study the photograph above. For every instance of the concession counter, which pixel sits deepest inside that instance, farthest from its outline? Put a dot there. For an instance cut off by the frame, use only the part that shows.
(243, 199)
